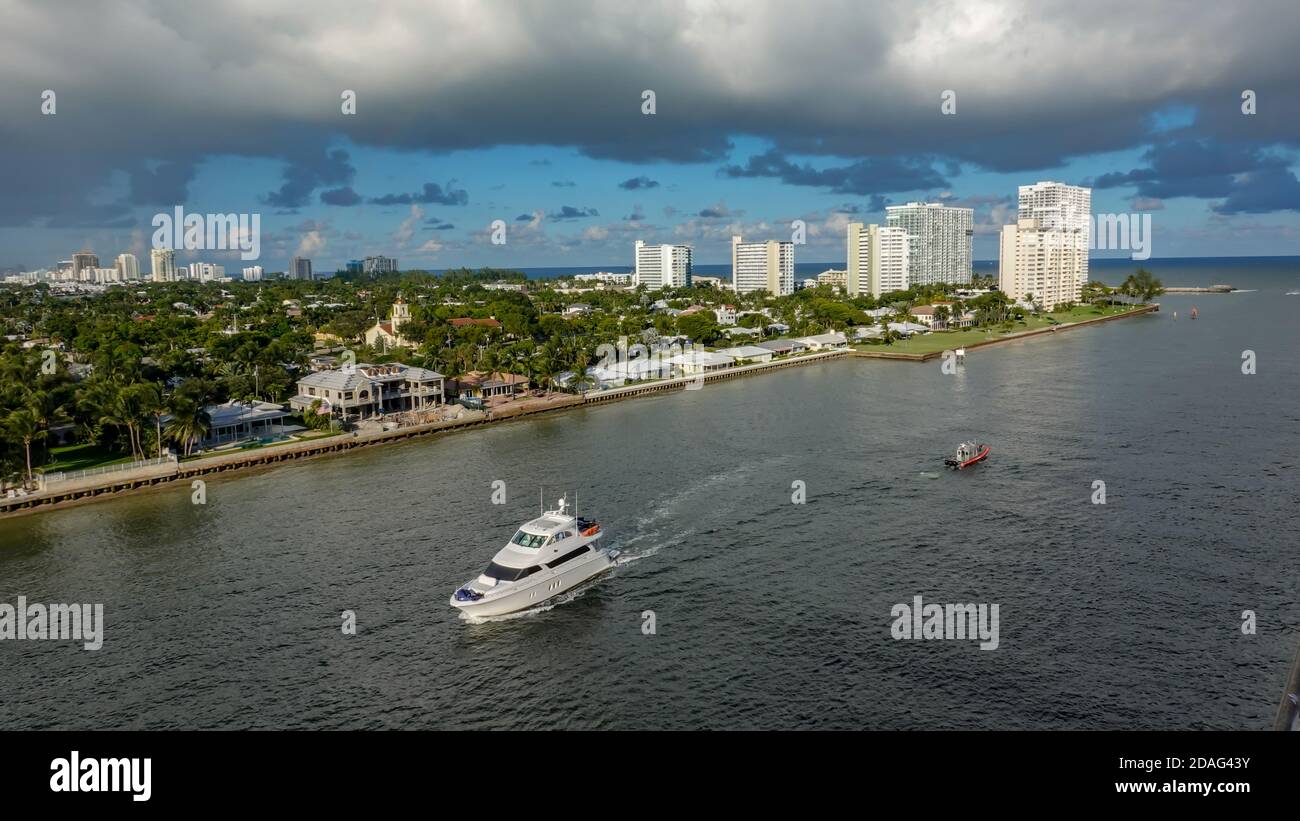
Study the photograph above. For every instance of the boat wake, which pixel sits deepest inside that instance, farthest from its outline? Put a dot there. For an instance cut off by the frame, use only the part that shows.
(652, 532)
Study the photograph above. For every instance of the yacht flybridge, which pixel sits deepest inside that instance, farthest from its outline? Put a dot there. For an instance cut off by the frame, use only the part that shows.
(550, 554)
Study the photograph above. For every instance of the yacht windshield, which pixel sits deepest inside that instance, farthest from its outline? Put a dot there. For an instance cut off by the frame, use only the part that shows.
(528, 540)
(508, 574)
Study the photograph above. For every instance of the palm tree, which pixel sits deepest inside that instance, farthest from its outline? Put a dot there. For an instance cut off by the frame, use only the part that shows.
(156, 404)
(1144, 285)
(189, 422)
(23, 425)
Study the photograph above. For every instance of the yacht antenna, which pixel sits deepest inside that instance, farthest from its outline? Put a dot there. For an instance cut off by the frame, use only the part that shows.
(541, 501)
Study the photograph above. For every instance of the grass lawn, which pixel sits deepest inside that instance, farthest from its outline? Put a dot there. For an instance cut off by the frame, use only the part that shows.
(948, 340)
(81, 457)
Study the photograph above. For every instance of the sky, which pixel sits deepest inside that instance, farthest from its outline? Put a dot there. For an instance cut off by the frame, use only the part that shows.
(535, 114)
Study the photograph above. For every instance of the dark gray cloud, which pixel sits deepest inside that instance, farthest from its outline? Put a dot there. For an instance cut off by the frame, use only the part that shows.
(436, 224)
(870, 176)
(164, 183)
(340, 196)
(432, 193)
(1037, 82)
(1246, 178)
(563, 184)
(719, 211)
(638, 184)
(304, 175)
(569, 212)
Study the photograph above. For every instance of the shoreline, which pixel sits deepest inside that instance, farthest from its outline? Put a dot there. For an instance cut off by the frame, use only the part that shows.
(171, 474)
(998, 340)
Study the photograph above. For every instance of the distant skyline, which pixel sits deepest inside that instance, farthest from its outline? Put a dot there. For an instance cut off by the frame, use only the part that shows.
(532, 114)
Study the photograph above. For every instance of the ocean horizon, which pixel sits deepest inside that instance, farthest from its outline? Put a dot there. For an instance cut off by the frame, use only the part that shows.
(1111, 270)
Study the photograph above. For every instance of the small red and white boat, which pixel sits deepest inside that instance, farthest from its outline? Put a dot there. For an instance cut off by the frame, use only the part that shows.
(968, 453)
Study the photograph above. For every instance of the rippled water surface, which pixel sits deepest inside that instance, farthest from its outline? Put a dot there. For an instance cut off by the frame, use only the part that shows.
(768, 613)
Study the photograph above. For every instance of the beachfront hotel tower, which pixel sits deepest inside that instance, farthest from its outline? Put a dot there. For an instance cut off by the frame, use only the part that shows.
(878, 259)
(762, 266)
(938, 241)
(662, 266)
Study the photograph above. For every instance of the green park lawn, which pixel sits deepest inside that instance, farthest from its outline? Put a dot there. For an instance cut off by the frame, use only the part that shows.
(948, 340)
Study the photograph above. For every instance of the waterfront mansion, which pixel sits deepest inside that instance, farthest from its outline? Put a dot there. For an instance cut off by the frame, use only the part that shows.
(366, 390)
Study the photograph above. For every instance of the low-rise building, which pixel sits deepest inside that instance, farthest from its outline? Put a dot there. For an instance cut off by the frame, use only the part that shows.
(748, 354)
(483, 385)
(693, 363)
(782, 347)
(737, 331)
(235, 421)
(824, 342)
(466, 321)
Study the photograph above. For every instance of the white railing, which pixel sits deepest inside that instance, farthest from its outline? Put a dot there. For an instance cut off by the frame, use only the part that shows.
(72, 475)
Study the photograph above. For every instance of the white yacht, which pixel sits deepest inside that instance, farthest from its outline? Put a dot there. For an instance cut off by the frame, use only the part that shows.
(549, 555)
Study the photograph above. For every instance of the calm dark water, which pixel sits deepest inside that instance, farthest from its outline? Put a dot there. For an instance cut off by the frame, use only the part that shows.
(769, 614)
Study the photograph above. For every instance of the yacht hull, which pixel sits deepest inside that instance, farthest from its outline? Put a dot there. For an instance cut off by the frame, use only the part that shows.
(538, 588)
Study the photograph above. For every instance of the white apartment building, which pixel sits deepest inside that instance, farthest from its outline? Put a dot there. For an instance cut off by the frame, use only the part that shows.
(1034, 263)
(101, 275)
(253, 273)
(878, 260)
(163, 262)
(379, 265)
(206, 271)
(835, 278)
(662, 266)
(939, 241)
(605, 277)
(762, 266)
(1060, 207)
(128, 267)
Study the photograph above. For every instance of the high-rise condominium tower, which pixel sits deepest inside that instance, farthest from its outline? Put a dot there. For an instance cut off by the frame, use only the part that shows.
(83, 263)
(938, 240)
(163, 264)
(878, 260)
(1034, 263)
(128, 267)
(662, 266)
(300, 268)
(1060, 207)
(762, 266)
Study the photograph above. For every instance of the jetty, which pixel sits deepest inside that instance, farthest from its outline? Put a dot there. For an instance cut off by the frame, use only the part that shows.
(1213, 289)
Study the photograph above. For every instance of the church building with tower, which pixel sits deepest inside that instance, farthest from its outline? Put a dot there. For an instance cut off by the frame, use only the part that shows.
(388, 335)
